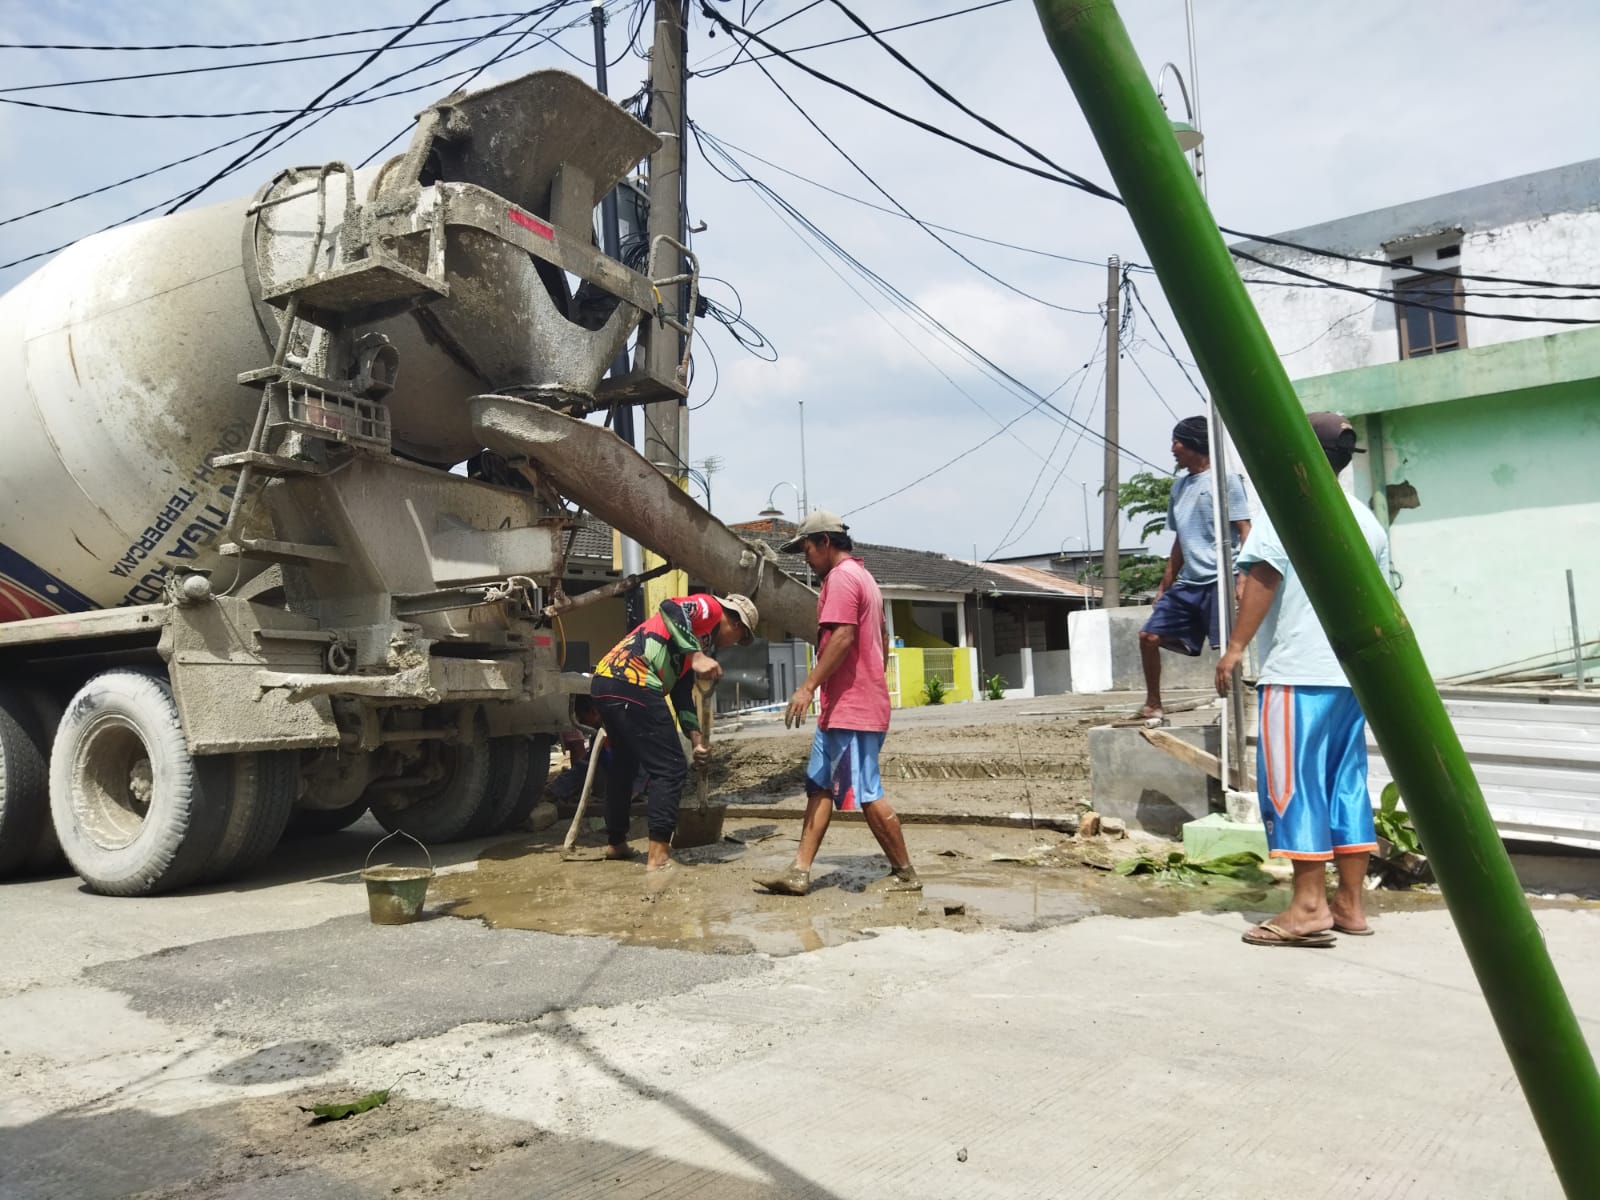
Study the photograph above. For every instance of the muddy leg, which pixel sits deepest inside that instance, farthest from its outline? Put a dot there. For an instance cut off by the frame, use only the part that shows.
(885, 825)
(819, 811)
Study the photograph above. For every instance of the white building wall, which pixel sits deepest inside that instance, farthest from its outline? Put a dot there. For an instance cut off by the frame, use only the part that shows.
(1319, 330)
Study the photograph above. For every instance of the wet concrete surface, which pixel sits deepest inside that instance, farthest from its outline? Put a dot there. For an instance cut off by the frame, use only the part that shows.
(709, 904)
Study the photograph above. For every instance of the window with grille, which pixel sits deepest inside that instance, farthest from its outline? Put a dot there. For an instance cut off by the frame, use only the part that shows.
(940, 665)
(1428, 312)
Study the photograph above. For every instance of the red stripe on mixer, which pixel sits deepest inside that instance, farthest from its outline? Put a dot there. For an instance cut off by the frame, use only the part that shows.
(533, 223)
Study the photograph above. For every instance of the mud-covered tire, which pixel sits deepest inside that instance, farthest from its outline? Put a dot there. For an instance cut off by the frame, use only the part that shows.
(128, 800)
(539, 747)
(24, 784)
(316, 822)
(446, 810)
(261, 788)
(508, 771)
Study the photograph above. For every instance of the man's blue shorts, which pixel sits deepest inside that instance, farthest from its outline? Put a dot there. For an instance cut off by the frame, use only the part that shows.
(1311, 772)
(844, 763)
(1185, 613)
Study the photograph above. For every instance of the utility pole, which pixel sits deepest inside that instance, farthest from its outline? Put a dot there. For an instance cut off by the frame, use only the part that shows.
(611, 241)
(1110, 559)
(805, 494)
(666, 439)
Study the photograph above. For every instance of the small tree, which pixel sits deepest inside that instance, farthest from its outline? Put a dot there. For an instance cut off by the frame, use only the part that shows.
(1146, 495)
(1143, 495)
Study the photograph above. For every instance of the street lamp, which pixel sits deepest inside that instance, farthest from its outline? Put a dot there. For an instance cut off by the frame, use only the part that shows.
(772, 509)
(1187, 131)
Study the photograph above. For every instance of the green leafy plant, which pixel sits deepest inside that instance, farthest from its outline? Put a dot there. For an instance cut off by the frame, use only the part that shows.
(1394, 823)
(934, 690)
(1146, 495)
(1176, 867)
(994, 687)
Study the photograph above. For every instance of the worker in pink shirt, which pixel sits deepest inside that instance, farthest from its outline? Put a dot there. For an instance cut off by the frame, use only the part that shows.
(852, 656)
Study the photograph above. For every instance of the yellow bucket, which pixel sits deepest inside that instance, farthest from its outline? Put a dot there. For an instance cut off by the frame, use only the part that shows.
(395, 894)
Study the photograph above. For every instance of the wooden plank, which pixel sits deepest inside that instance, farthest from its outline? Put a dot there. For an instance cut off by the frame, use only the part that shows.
(1182, 751)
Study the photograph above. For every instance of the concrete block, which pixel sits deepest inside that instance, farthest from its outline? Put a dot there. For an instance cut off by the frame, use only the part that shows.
(1105, 654)
(1131, 780)
(1214, 836)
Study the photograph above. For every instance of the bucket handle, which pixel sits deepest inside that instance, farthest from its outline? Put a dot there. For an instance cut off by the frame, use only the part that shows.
(396, 833)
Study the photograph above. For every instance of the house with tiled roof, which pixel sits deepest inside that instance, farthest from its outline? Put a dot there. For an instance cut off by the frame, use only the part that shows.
(949, 619)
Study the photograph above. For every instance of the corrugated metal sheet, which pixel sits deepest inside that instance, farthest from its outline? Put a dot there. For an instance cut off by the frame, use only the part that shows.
(1537, 758)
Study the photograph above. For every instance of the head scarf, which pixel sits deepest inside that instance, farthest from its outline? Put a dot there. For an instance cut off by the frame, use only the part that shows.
(1193, 433)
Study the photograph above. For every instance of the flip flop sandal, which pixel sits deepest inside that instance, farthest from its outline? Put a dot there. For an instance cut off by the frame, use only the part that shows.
(1349, 932)
(1282, 937)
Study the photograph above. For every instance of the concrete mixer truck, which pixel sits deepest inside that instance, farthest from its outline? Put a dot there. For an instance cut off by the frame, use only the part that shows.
(244, 574)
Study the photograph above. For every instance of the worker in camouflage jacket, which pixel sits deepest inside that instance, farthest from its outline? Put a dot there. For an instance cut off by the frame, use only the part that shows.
(660, 658)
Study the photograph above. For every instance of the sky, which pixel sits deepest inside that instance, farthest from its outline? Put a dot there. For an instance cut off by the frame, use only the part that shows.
(1311, 111)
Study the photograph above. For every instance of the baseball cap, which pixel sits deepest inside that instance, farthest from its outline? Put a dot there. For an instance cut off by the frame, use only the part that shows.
(818, 521)
(745, 609)
(1334, 432)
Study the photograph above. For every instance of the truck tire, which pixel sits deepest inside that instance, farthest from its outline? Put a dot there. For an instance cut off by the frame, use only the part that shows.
(46, 858)
(129, 802)
(315, 822)
(262, 788)
(508, 772)
(24, 784)
(539, 747)
(443, 811)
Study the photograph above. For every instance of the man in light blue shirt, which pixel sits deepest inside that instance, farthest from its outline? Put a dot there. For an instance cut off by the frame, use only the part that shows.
(1186, 598)
(1311, 756)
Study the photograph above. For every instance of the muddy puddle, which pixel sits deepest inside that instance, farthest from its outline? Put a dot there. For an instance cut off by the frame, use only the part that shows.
(710, 904)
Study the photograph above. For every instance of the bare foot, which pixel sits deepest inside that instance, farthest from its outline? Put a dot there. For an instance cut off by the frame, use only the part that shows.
(621, 852)
(1349, 919)
(1152, 712)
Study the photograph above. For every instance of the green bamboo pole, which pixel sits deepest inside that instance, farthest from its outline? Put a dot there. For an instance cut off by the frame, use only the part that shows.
(1364, 621)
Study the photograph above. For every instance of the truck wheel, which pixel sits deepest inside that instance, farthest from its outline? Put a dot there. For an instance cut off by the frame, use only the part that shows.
(262, 788)
(24, 802)
(539, 747)
(128, 800)
(442, 810)
(508, 771)
(314, 822)
(46, 858)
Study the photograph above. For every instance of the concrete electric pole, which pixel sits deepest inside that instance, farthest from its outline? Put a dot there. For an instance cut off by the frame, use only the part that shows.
(1111, 560)
(666, 440)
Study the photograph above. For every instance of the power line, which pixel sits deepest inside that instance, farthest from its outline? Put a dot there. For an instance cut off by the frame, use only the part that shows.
(907, 305)
(887, 290)
(343, 79)
(1154, 390)
(1064, 176)
(322, 115)
(1133, 290)
(1006, 539)
(1399, 300)
(855, 37)
(505, 55)
(292, 59)
(884, 192)
(1098, 264)
(296, 41)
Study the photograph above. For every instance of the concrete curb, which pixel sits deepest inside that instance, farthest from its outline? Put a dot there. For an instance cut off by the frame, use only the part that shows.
(1060, 822)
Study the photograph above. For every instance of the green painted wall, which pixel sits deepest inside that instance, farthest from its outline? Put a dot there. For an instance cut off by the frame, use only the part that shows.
(1508, 488)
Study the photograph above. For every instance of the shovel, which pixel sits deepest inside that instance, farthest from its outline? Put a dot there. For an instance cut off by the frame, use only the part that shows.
(583, 797)
(702, 824)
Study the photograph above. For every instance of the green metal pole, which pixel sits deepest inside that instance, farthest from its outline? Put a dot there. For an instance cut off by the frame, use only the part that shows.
(1363, 619)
